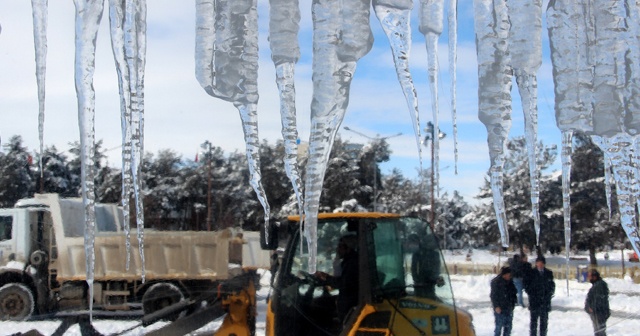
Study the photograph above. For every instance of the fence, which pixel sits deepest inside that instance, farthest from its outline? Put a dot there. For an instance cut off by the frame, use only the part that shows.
(558, 271)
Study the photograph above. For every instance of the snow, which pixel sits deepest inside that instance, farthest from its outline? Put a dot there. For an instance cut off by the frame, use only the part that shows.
(567, 317)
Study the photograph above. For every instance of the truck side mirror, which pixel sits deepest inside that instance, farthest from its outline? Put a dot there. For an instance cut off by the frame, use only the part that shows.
(270, 230)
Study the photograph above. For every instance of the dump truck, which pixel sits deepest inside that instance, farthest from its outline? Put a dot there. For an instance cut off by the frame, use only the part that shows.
(43, 261)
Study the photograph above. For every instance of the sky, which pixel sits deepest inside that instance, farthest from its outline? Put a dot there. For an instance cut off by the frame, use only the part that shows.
(180, 116)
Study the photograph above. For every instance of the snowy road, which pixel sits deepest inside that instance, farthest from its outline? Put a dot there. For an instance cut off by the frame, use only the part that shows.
(472, 293)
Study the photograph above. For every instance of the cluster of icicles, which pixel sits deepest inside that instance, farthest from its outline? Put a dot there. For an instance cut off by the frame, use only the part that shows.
(602, 102)
(226, 67)
(595, 52)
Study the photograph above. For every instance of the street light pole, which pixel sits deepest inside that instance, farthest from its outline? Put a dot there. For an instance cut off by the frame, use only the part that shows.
(207, 146)
(430, 130)
(377, 138)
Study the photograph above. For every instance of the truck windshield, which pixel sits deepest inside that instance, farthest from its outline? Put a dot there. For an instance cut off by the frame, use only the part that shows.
(409, 261)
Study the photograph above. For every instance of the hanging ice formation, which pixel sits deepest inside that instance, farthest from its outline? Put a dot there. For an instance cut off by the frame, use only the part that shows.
(88, 17)
(395, 18)
(284, 25)
(509, 43)
(567, 148)
(597, 85)
(128, 41)
(227, 68)
(40, 18)
(494, 93)
(341, 36)
(431, 25)
(452, 20)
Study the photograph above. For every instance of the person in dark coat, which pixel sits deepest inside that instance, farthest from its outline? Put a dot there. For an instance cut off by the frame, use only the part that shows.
(519, 267)
(597, 303)
(347, 281)
(503, 300)
(540, 287)
(425, 266)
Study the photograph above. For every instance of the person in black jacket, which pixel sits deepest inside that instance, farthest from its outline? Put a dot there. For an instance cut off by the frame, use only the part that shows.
(597, 303)
(347, 280)
(540, 287)
(503, 300)
(519, 267)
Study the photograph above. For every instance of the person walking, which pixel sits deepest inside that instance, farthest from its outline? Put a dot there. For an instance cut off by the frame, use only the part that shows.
(519, 266)
(540, 287)
(597, 303)
(503, 300)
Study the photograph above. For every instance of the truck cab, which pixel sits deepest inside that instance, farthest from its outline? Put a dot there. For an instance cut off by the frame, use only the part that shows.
(403, 287)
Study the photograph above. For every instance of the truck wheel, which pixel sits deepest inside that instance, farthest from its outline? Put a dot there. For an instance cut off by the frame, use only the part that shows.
(161, 295)
(16, 302)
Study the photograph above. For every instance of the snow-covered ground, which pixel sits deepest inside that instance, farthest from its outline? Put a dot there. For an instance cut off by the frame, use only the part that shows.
(567, 317)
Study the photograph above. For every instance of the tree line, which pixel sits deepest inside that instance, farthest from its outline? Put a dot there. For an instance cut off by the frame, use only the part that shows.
(175, 190)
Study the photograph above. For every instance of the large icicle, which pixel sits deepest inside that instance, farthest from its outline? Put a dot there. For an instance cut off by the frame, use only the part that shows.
(567, 149)
(284, 24)
(135, 39)
(452, 20)
(525, 48)
(431, 25)
(341, 36)
(395, 18)
(88, 17)
(116, 19)
(227, 68)
(128, 40)
(40, 19)
(494, 93)
(619, 149)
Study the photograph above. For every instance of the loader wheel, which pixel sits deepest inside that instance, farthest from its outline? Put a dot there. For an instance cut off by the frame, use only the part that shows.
(161, 295)
(16, 302)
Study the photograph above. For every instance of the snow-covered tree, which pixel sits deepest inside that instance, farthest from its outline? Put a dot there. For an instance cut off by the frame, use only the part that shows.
(591, 226)
(16, 179)
(517, 198)
(57, 178)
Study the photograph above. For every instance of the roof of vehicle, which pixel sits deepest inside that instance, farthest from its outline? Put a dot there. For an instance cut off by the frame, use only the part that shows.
(347, 215)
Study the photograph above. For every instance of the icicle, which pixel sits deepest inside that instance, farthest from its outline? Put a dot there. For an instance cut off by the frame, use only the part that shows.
(227, 68)
(40, 19)
(494, 93)
(567, 149)
(116, 19)
(88, 17)
(608, 178)
(431, 25)
(452, 20)
(135, 50)
(571, 34)
(395, 18)
(334, 63)
(284, 25)
(128, 41)
(619, 149)
(525, 48)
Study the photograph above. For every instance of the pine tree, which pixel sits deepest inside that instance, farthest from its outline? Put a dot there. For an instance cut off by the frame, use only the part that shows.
(16, 181)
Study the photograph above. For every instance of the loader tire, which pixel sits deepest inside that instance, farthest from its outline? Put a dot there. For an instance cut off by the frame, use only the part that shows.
(16, 302)
(161, 295)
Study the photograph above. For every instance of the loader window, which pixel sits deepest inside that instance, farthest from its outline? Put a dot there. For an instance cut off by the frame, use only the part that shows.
(6, 223)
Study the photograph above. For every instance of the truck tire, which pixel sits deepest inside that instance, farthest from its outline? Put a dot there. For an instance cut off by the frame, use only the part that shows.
(161, 295)
(16, 302)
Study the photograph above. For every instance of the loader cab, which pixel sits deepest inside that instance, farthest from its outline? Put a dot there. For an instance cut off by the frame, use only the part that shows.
(397, 285)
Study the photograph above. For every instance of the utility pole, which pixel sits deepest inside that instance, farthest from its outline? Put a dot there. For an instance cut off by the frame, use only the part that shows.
(207, 146)
(430, 131)
(377, 138)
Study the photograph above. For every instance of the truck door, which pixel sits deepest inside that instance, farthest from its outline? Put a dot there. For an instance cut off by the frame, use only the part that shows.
(7, 243)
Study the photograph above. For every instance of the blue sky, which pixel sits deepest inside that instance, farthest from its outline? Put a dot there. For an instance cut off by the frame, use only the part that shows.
(180, 115)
